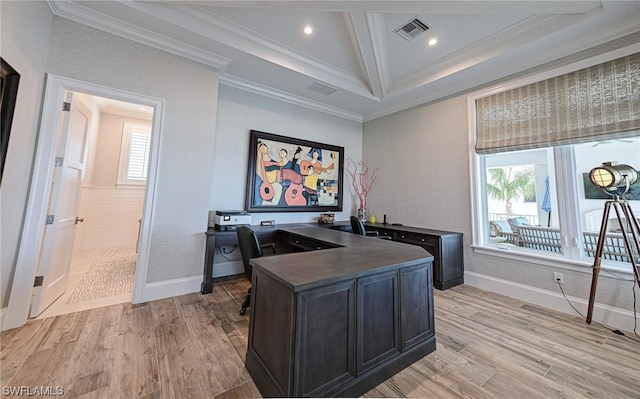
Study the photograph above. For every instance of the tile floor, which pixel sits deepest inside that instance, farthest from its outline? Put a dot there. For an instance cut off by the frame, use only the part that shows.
(79, 266)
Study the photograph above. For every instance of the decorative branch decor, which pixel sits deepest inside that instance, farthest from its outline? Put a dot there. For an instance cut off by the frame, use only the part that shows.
(362, 179)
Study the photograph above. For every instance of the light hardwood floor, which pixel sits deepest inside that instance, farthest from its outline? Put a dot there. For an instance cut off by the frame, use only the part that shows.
(488, 346)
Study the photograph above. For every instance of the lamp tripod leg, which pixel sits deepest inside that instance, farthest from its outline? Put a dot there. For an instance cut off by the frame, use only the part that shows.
(598, 259)
(632, 250)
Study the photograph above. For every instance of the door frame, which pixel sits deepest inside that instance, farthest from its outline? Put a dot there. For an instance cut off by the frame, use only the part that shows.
(26, 268)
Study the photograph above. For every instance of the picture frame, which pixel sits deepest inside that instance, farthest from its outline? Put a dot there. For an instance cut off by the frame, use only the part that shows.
(9, 79)
(287, 174)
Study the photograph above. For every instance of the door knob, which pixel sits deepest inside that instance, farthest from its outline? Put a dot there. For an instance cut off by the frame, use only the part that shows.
(79, 220)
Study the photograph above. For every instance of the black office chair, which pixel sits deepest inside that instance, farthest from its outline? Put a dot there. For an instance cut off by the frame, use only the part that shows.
(357, 227)
(250, 248)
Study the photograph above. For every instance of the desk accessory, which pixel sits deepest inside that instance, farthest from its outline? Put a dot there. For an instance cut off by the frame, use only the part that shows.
(229, 220)
(326, 218)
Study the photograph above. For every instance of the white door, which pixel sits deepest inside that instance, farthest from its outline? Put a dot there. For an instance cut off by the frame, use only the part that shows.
(57, 244)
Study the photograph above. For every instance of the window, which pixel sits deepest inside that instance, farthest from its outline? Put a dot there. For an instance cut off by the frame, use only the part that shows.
(134, 154)
(565, 220)
(535, 146)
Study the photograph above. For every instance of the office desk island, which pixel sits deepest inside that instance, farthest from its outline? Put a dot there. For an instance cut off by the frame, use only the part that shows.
(340, 320)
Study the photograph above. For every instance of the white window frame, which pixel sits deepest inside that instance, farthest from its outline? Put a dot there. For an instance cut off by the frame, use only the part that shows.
(563, 158)
(128, 130)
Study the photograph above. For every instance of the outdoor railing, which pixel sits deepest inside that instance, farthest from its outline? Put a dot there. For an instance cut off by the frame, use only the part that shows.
(532, 219)
(549, 239)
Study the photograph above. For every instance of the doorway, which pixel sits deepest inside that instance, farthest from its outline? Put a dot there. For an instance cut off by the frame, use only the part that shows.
(103, 259)
(22, 288)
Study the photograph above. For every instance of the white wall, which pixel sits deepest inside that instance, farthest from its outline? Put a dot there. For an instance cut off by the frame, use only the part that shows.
(24, 36)
(241, 111)
(110, 212)
(189, 90)
(423, 155)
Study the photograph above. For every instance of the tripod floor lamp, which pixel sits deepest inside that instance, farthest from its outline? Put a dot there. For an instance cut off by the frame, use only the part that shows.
(615, 180)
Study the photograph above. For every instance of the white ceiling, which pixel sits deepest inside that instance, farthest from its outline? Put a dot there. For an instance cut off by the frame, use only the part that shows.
(116, 107)
(260, 45)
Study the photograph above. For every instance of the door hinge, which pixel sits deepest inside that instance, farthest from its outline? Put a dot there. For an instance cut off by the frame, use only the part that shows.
(49, 219)
(66, 106)
(59, 161)
(38, 281)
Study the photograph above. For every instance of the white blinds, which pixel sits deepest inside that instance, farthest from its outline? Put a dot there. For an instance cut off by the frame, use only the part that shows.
(599, 102)
(138, 154)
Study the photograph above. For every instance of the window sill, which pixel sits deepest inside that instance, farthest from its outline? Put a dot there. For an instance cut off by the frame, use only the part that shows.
(507, 251)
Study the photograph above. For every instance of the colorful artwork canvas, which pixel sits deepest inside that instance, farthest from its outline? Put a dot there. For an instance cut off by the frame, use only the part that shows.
(293, 175)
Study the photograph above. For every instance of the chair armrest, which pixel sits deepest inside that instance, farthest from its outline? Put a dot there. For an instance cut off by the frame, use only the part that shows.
(271, 245)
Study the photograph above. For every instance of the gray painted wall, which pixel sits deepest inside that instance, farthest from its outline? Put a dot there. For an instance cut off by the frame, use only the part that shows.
(238, 113)
(26, 27)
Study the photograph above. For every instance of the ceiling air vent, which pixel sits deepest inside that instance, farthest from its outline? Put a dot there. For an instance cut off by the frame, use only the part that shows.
(320, 88)
(411, 29)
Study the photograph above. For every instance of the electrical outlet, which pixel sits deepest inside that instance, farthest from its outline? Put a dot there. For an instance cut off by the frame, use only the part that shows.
(558, 277)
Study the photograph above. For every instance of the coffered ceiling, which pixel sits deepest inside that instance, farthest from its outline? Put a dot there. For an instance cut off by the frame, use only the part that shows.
(353, 51)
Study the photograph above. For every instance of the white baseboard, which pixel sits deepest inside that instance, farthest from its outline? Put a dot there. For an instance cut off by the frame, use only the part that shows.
(613, 317)
(187, 285)
(171, 288)
(2, 321)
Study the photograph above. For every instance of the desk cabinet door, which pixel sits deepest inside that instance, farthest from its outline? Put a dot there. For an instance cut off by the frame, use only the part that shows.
(378, 320)
(416, 287)
(326, 336)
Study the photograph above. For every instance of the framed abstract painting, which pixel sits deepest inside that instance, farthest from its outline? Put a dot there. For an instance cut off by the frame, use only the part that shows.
(293, 175)
(9, 80)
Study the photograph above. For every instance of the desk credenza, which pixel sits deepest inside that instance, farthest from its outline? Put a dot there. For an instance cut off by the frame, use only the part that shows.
(445, 246)
(340, 320)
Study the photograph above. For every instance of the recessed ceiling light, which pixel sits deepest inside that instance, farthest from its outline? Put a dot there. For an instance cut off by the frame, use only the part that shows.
(433, 42)
(308, 30)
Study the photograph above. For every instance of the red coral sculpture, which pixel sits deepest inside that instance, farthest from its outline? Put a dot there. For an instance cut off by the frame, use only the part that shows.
(362, 179)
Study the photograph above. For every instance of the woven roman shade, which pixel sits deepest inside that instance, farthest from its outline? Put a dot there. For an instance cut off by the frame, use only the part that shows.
(595, 103)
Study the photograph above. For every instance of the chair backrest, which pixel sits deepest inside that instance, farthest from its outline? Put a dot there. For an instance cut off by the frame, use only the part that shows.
(500, 226)
(357, 227)
(249, 247)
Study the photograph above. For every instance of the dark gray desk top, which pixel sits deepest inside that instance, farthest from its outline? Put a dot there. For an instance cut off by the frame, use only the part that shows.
(355, 256)
(411, 229)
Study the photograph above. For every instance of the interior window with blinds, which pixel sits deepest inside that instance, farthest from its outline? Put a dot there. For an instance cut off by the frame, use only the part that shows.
(134, 154)
(536, 145)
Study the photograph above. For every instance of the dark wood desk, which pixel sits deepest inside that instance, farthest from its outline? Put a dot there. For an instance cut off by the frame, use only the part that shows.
(216, 238)
(341, 320)
(445, 246)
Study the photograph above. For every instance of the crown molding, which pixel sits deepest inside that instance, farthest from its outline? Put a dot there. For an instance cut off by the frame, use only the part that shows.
(280, 95)
(375, 23)
(578, 57)
(85, 16)
(359, 43)
(203, 22)
(485, 49)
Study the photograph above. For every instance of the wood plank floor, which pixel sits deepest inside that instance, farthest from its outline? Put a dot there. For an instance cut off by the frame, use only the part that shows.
(193, 346)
